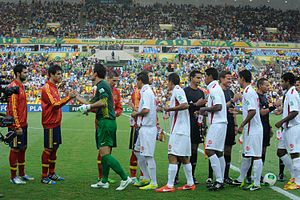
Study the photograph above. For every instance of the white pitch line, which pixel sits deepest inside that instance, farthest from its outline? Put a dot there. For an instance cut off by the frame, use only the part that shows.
(234, 168)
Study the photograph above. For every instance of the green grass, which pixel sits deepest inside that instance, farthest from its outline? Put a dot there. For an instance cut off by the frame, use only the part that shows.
(77, 164)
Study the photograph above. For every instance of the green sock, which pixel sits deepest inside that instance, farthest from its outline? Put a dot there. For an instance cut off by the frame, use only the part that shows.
(105, 170)
(115, 165)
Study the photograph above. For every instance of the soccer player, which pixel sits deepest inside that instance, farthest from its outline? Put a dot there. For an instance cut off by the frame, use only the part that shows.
(226, 80)
(195, 97)
(51, 121)
(217, 118)
(146, 121)
(253, 133)
(263, 86)
(107, 127)
(179, 148)
(17, 108)
(112, 79)
(291, 126)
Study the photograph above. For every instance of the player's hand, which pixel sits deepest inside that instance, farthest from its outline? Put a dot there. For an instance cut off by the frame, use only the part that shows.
(167, 109)
(19, 131)
(73, 94)
(134, 114)
(84, 108)
(237, 97)
(236, 129)
(278, 124)
(240, 130)
(233, 111)
(202, 111)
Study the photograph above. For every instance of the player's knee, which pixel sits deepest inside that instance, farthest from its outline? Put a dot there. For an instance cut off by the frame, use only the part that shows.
(294, 155)
(209, 153)
(281, 152)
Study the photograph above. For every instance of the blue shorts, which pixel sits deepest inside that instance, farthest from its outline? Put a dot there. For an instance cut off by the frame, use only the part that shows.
(52, 137)
(19, 141)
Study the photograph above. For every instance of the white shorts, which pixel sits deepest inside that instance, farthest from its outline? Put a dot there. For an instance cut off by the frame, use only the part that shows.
(292, 139)
(281, 141)
(179, 145)
(252, 145)
(215, 138)
(146, 141)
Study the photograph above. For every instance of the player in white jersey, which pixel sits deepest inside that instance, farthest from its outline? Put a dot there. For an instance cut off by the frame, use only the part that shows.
(253, 133)
(291, 129)
(217, 119)
(145, 144)
(179, 148)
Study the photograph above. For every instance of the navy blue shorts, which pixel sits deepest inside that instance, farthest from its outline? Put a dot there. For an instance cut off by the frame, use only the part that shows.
(52, 137)
(20, 140)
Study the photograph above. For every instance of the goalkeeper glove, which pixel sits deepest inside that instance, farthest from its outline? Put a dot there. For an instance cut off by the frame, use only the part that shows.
(84, 108)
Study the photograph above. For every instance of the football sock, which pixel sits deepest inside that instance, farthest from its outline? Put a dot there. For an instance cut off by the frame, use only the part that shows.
(257, 170)
(188, 174)
(281, 167)
(52, 162)
(227, 165)
(99, 165)
(210, 170)
(21, 162)
(250, 169)
(178, 169)
(171, 174)
(194, 161)
(152, 169)
(215, 165)
(246, 162)
(296, 164)
(143, 165)
(287, 161)
(133, 164)
(13, 160)
(115, 165)
(222, 165)
(45, 163)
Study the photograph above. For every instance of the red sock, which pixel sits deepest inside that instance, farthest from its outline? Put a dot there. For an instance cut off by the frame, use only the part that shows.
(45, 163)
(13, 160)
(21, 162)
(99, 165)
(52, 162)
(133, 164)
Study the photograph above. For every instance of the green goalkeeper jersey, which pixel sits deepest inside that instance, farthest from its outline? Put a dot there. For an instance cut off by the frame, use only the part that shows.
(104, 94)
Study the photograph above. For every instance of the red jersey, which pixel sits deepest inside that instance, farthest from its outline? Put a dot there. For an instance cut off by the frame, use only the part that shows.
(117, 101)
(17, 106)
(51, 105)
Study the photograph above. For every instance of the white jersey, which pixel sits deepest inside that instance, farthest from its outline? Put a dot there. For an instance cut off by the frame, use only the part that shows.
(216, 96)
(180, 120)
(148, 101)
(291, 103)
(251, 102)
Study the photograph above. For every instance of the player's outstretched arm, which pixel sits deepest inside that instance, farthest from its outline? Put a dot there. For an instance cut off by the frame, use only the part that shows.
(250, 115)
(82, 100)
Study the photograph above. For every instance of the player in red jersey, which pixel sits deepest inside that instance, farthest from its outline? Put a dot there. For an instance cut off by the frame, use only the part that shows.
(17, 108)
(51, 120)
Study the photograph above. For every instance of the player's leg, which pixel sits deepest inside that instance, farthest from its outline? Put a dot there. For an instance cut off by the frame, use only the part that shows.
(21, 157)
(227, 156)
(187, 167)
(172, 170)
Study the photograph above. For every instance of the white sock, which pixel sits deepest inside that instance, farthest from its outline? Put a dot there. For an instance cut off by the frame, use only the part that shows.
(152, 169)
(188, 174)
(171, 174)
(143, 165)
(257, 170)
(222, 164)
(287, 161)
(296, 164)
(215, 165)
(246, 162)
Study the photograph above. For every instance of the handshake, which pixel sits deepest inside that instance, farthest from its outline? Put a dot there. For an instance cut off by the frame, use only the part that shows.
(83, 108)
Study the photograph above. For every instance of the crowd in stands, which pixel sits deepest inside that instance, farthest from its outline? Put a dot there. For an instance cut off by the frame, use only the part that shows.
(76, 20)
(78, 70)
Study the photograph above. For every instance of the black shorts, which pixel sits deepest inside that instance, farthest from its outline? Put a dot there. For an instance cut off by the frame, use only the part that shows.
(197, 134)
(266, 137)
(134, 132)
(230, 135)
(19, 141)
(52, 137)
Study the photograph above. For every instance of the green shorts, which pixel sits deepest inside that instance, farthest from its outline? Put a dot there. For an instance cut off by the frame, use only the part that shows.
(106, 133)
